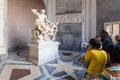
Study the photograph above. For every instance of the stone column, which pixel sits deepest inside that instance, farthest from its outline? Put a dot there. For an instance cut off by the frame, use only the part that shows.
(3, 29)
(85, 19)
(88, 19)
(50, 9)
(93, 18)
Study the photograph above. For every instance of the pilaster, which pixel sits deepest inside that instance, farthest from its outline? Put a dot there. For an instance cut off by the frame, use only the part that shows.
(3, 29)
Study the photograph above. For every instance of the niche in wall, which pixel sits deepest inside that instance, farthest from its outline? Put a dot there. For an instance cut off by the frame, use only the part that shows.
(21, 22)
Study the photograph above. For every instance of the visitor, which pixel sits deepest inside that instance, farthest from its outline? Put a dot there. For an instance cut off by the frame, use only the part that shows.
(117, 38)
(105, 38)
(94, 59)
(113, 72)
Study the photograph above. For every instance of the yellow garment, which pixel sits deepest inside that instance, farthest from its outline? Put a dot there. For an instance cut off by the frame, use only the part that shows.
(95, 60)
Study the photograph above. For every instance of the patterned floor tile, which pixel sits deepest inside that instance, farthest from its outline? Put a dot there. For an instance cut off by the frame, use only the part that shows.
(60, 68)
(69, 54)
(63, 68)
(9, 68)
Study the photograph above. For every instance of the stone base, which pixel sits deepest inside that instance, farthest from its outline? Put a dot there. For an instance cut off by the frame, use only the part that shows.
(40, 53)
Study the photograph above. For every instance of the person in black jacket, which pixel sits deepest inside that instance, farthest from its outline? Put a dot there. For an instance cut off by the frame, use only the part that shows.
(105, 38)
(106, 41)
(112, 72)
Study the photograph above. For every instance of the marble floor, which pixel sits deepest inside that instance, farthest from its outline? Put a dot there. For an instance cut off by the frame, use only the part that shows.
(17, 67)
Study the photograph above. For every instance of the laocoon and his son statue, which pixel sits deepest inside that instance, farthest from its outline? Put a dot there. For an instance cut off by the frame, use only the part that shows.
(43, 48)
(45, 30)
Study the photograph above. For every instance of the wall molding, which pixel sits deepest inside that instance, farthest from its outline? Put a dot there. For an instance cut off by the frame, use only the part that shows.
(69, 18)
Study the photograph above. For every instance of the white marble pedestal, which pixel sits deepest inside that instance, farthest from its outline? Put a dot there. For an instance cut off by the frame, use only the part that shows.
(40, 53)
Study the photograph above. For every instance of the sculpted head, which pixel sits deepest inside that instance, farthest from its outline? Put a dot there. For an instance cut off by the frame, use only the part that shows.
(42, 11)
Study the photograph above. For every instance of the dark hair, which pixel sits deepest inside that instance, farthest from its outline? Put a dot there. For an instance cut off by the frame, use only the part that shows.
(117, 38)
(114, 51)
(95, 43)
(104, 33)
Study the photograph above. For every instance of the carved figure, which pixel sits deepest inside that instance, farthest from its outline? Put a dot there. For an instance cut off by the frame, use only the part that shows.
(45, 30)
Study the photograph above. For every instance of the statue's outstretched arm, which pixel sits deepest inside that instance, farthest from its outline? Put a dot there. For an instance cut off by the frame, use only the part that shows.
(35, 12)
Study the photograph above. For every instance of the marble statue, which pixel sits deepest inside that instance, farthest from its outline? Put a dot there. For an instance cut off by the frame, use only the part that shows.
(45, 30)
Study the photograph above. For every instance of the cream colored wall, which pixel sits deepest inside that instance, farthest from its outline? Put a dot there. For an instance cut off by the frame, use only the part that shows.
(21, 22)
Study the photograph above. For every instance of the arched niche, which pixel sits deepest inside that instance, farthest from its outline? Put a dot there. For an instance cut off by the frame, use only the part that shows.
(21, 22)
(16, 24)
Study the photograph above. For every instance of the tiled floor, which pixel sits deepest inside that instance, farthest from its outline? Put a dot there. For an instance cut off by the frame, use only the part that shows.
(22, 72)
(67, 67)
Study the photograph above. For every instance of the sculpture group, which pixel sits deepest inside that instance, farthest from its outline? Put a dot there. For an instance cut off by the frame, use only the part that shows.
(45, 31)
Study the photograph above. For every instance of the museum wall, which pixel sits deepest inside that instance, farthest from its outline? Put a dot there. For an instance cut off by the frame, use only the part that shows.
(69, 34)
(68, 6)
(107, 11)
(21, 22)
